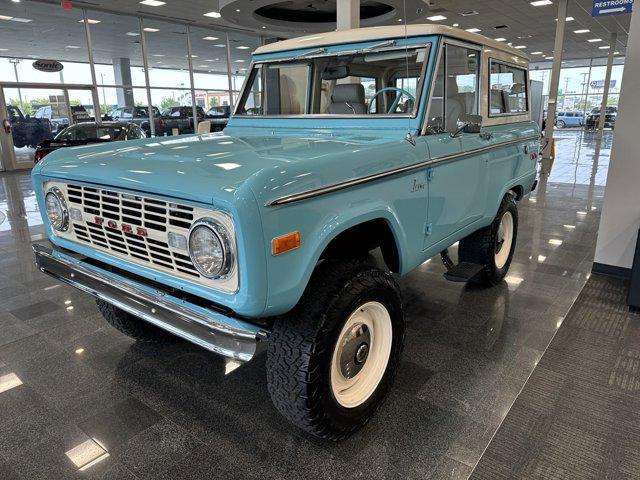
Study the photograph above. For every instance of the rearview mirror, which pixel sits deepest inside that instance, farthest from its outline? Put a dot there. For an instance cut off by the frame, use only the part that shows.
(468, 124)
(335, 73)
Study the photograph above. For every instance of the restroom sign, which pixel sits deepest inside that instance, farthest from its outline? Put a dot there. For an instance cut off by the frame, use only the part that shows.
(602, 8)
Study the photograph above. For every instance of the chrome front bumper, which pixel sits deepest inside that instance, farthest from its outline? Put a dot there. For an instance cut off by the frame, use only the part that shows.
(212, 330)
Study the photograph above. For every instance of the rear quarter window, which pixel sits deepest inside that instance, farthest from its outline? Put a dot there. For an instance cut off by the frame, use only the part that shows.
(508, 89)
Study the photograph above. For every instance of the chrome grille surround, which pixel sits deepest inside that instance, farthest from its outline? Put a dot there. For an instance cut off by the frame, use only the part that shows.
(157, 217)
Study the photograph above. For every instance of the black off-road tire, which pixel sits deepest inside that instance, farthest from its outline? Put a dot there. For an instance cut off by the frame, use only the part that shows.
(132, 326)
(301, 347)
(479, 247)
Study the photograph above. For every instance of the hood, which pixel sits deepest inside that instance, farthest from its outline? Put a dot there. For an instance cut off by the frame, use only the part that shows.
(201, 168)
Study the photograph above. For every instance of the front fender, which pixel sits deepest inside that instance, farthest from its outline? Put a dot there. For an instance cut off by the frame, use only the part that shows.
(319, 222)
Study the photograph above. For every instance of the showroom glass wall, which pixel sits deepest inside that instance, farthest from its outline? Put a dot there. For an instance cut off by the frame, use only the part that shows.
(104, 69)
(581, 83)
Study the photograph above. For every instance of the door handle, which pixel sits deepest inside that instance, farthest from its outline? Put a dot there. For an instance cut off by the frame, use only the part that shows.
(486, 136)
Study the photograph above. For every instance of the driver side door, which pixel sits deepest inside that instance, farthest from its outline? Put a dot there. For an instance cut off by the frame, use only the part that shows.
(457, 185)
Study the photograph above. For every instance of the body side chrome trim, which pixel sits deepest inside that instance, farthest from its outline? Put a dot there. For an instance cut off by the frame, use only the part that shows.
(296, 197)
(212, 330)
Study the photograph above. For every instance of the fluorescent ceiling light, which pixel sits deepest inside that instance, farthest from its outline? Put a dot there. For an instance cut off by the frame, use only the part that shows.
(615, 53)
(594, 40)
(153, 3)
(72, 46)
(536, 53)
(606, 47)
(242, 47)
(584, 30)
(239, 61)
(567, 19)
(221, 45)
(210, 38)
(456, 24)
(501, 39)
(132, 34)
(4, 17)
(473, 30)
(149, 29)
(541, 3)
(21, 20)
(90, 20)
(548, 58)
(6, 50)
(213, 14)
(437, 18)
(520, 47)
(158, 55)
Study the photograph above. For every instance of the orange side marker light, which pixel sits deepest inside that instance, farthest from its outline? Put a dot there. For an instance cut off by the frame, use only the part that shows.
(284, 243)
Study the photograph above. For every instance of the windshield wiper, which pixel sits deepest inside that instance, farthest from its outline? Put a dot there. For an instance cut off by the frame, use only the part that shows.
(386, 43)
(310, 52)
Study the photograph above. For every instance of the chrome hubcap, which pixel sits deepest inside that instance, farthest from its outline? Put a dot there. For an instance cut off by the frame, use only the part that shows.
(355, 350)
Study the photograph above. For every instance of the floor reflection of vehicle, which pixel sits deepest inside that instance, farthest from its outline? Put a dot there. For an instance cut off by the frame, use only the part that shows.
(27, 131)
(218, 116)
(593, 118)
(89, 132)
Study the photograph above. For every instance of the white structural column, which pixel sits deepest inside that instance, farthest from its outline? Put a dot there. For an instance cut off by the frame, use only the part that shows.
(621, 211)
(607, 82)
(347, 14)
(553, 87)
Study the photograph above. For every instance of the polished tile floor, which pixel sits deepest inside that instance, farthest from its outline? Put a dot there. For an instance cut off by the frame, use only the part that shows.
(80, 400)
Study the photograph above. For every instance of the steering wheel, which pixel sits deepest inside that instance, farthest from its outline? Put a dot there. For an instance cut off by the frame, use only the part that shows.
(395, 102)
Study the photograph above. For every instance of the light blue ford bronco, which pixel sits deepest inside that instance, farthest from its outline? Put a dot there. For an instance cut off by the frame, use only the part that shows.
(398, 140)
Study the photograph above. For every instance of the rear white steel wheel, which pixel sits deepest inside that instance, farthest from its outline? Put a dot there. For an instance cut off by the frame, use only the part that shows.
(504, 239)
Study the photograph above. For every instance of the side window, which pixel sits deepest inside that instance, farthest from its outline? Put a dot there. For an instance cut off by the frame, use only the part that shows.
(508, 89)
(127, 113)
(456, 89)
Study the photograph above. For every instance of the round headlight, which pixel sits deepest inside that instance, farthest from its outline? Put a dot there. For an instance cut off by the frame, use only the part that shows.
(210, 248)
(57, 211)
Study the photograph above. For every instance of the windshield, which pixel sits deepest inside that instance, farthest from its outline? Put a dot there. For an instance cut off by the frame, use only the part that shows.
(367, 82)
(92, 132)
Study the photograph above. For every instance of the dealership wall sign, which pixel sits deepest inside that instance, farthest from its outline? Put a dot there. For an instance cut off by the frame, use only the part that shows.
(602, 8)
(49, 66)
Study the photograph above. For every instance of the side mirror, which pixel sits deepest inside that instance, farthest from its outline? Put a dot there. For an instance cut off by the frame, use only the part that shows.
(468, 124)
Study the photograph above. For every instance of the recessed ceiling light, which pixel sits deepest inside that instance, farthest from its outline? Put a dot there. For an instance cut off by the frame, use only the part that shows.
(473, 30)
(263, 26)
(594, 40)
(158, 55)
(437, 18)
(501, 39)
(520, 47)
(237, 10)
(6, 50)
(456, 24)
(90, 20)
(192, 56)
(21, 20)
(213, 14)
(153, 3)
(132, 34)
(536, 53)
(239, 61)
(606, 47)
(15, 1)
(548, 58)
(72, 46)
(221, 45)
(615, 53)
(567, 19)
(210, 38)
(584, 30)
(242, 47)
(149, 29)
(4, 17)
(541, 3)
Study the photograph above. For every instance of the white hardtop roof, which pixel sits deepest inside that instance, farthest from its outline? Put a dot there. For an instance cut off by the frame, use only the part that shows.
(382, 33)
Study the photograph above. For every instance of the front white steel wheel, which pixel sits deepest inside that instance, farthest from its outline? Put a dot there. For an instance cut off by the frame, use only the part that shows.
(504, 239)
(361, 354)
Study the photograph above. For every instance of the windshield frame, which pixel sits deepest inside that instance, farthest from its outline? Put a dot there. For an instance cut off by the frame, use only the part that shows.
(430, 44)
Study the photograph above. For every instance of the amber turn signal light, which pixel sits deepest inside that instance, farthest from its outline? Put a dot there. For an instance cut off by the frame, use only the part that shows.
(284, 243)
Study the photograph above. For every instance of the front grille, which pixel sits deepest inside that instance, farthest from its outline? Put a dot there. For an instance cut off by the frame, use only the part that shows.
(110, 220)
(134, 211)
